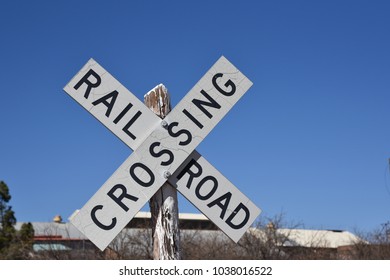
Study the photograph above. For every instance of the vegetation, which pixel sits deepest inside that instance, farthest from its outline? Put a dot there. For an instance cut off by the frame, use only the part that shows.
(13, 244)
(269, 239)
(374, 245)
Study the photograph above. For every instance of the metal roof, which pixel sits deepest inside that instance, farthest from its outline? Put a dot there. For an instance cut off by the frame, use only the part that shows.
(295, 237)
(319, 238)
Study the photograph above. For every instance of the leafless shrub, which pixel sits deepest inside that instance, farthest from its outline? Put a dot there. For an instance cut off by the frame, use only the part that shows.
(264, 241)
(131, 244)
(374, 245)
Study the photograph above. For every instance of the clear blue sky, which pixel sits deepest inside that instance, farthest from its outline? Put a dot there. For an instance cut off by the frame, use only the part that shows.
(311, 138)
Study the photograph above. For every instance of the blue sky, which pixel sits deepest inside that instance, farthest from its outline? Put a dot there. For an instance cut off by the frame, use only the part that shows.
(310, 139)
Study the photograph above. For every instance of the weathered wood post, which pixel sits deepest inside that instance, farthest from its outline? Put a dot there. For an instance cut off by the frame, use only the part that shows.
(163, 205)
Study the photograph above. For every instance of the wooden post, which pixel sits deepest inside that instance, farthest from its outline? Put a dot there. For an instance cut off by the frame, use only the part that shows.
(163, 205)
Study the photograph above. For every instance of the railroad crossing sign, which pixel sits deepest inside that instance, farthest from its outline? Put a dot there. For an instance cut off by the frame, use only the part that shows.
(163, 151)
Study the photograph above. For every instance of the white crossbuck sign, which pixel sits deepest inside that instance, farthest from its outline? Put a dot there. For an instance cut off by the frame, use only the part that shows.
(163, 151)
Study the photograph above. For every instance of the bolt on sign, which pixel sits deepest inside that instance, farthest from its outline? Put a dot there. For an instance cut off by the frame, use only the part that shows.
(163, 151)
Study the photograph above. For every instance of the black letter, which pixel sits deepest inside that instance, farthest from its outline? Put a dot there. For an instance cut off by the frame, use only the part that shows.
(99, 224)
(160, 153)
(144, 167)
(212, 191)
(192, 118)
(181, 131)
(228, 83)
(113, 95)
(231, 217)
(127, 126)
(227, 196)
(124, 111)
(201, 103)
(118, 199)
(192, 174)
(90, 85)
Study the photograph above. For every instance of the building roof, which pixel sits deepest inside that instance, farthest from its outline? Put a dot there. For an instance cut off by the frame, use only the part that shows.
(319, 238)
(292, 237)
(53, 229)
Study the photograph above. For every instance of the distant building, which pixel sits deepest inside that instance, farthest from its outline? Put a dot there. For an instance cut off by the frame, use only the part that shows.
(62, 240)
